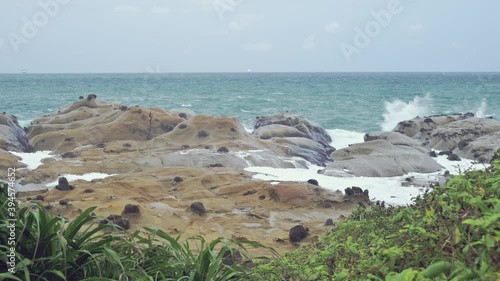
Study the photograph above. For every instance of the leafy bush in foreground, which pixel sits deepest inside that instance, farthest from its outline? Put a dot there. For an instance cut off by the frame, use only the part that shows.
(451, 233)
(50, 248)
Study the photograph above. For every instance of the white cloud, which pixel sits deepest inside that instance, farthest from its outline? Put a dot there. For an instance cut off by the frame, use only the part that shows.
(417, 27)
(258, 47)
(332, 27)
(309, 43)
(160, 10)
(126, 9)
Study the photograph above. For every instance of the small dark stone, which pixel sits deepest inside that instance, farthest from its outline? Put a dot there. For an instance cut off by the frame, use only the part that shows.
(80, 98)
(63, 202)
(40, 198)
(223, 150)
(198, 208)
(454, 157)
(202, 134)
(131, 209)
(184, 146)
(177, 180)
(433, 154)
(348, 191)
(329, 222)
(182, 126)
(183, 115)
(262, 197)
(69, 155)
(233, 130)
(88, 190)
(313, 182)
(29, 198)
(123, 108)
(445, 153)
(63, 184)
(216, 165)
(231, 257)
(117, 220)
(167, 128)
(100, 145)
(298, 233)
(207, 147)
(69, 139)
(91, 97)
(127, 145)
(428, 120)
(462, 144)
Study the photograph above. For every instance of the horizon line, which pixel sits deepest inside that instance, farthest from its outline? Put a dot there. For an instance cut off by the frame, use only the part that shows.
(244, 72)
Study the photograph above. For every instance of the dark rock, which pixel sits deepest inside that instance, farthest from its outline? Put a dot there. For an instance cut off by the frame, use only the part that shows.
(202, 134)
(69, 139)
(223, 150)
(433, 154)
(298, 233)
(262, 197)
(429, 121)
(454, 157)
(69, 155)
(313, 182)
(216, 165)
(448, 152)
(329, 222)
(91, 97)
(348, 191)
(63, 184)
(63, 202)
(198, 208)
(177, 180)
(117, 220)
(40, 198)
(12, 136)
(233, 130)
(88, 190)
(462, 144)
(131, 209)
(100, 145)
(127, 145)
(167, 128)
(183, 115)
(123, 108)
(231, 257)
(182, 126)
(184, 146)
(80, 98)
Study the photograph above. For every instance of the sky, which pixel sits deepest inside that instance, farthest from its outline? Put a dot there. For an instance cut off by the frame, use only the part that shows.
(114, 36)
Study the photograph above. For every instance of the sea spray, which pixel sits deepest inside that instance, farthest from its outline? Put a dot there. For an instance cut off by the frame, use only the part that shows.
(397, 110)
(481, 111)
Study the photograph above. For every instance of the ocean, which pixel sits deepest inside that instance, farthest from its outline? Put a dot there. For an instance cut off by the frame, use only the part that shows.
(346, 104)
(358, 102)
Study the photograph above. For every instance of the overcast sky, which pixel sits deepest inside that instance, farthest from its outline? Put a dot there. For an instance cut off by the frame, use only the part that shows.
(236, 35)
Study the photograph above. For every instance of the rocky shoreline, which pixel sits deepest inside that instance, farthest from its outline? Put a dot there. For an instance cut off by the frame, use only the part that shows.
(185, 174)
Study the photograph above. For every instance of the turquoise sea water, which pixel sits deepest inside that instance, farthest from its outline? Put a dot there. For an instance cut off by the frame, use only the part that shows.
(350, 101)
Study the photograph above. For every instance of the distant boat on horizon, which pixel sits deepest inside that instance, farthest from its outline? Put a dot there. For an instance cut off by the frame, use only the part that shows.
(23, 71)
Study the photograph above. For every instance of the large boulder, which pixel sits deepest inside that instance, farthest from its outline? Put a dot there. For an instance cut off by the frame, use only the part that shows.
(12, 135)
(297, 135)
(299, 122)
(465, 135)
(380, 158)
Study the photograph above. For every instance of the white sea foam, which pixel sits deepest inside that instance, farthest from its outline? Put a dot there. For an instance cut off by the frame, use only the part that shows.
(33, 160)
(398, 110)
(343, 138)
(384, 189)
(86, 177)
(459, 167)
(481, 111)
(186, 105)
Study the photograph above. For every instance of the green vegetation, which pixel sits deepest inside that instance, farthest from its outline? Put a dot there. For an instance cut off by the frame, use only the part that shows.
(50, 248)
(451, 233)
